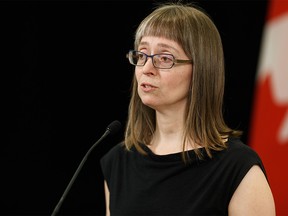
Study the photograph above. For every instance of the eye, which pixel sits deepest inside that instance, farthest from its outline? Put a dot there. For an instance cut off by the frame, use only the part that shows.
(166, 58)
(141, 56)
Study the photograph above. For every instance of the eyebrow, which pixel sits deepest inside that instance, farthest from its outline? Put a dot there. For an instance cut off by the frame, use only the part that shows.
(163, 45)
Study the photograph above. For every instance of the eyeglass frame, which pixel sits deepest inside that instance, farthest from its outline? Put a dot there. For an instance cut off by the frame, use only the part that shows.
(175, 61)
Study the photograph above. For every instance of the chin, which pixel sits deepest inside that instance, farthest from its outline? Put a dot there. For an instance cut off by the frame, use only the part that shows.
(149, 104)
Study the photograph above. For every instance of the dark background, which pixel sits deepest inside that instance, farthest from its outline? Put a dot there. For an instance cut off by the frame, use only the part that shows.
(65, 78)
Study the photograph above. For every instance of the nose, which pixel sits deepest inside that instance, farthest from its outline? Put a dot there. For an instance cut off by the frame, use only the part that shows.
(149, 68)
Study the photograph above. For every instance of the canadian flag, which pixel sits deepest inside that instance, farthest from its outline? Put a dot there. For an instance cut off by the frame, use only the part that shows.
(268, 133)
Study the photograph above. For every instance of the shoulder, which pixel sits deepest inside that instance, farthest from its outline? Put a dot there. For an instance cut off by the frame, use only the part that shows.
(235, 144)
(115, 152)
(111, 159)
(241, 155)
(253, 196)
(236, 161)
(238, 151)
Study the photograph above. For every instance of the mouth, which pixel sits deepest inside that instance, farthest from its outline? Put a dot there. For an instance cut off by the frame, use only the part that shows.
(147, 87)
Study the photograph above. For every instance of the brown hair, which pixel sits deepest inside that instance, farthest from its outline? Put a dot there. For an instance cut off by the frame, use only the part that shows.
(194, 30)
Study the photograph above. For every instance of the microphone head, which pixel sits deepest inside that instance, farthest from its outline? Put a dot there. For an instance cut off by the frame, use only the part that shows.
(114, 127)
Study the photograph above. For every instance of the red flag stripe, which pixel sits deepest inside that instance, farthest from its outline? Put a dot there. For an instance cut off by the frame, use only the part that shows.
(269, 120)
(277, 8)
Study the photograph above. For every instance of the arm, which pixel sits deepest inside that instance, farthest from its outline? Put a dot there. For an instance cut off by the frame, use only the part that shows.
(107, 195)
(253, 196)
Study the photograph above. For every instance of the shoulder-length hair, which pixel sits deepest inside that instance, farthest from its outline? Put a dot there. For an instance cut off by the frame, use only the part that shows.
(196, 33)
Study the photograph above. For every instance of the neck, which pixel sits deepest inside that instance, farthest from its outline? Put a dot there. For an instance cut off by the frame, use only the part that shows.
(168, 137)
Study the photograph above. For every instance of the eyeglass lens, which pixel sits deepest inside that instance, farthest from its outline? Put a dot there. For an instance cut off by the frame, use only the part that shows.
(159, 60)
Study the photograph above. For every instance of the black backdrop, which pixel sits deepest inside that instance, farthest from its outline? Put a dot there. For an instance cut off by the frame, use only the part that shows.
(65, 78)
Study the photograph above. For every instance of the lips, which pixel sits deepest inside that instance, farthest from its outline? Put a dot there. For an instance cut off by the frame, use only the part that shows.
(146, 87)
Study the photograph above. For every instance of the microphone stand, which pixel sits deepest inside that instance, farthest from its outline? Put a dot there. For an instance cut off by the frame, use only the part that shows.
(59, 204)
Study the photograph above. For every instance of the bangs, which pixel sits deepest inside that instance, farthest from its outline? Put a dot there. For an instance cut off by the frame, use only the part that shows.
(164, 25)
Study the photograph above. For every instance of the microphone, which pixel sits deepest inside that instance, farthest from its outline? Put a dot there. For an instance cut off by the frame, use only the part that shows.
(111, 129)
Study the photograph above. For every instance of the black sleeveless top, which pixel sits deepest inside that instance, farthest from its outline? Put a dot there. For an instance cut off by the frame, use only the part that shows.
(163, 185)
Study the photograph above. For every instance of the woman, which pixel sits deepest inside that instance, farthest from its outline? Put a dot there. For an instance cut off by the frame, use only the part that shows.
(178, 156)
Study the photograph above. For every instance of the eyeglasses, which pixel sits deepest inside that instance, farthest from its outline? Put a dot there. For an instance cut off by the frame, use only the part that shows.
(161, 61)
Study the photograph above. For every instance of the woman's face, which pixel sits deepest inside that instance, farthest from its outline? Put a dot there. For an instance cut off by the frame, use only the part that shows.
(163, 89)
